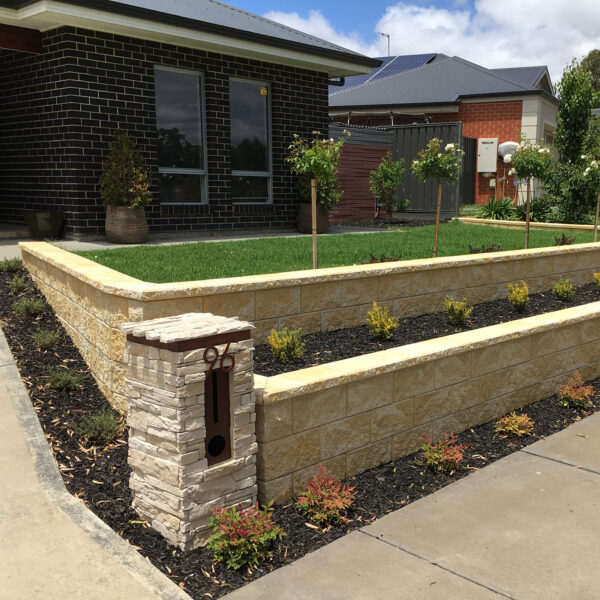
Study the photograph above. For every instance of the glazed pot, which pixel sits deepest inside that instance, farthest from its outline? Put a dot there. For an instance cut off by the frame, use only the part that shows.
(126, 225)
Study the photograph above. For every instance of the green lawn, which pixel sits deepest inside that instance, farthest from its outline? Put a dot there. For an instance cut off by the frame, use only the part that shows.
(209, 260)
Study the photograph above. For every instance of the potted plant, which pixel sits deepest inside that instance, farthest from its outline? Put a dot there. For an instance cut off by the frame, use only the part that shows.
(124, 188)
(384, 183)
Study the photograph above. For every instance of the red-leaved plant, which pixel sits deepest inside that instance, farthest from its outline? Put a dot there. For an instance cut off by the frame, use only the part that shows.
(446, 455)
(243, 538)
(325, 500)
(575, 394)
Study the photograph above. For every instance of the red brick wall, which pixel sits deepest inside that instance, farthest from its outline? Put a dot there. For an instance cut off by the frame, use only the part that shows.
(500, 120)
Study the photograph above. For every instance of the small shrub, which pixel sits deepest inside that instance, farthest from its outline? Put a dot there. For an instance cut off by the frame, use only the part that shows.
(381, 325)
(458, 312)
(65, 381)
(10, 265)
(286, 345)
(574, 394)
(18, 284)
(563, 290)
(384, 258)
(484, 249)
(539, 210)
(243, 538)
(597, 279)
(28, 307)
(446, 455)
(514, 424)
(47, 338)
(102, 426)
(518, 296)
(325, 499)
(563, 240)
(497, 208)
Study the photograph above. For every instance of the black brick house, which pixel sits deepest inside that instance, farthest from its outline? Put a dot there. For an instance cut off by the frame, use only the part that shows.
(211, 94)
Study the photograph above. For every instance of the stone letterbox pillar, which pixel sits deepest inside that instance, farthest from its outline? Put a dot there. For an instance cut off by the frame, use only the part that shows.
(192, 443)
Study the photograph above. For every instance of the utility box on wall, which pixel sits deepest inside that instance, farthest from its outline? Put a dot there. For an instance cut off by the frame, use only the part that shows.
(487, 155)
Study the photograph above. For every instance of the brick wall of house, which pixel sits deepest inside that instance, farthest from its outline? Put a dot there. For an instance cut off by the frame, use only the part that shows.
(63, 106)
(500, 120)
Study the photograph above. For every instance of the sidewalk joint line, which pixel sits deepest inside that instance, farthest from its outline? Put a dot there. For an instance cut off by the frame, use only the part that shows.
(561, 462)
(440, 566)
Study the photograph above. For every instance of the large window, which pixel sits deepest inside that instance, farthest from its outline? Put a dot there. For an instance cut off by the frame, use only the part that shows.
(250, 142)
(181, 147)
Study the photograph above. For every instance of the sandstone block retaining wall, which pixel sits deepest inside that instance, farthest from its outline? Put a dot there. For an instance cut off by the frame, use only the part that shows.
(93, 301)
(355, 414)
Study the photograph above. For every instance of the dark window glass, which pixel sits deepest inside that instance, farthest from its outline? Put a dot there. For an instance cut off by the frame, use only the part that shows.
(178, 119)
(249, 126)
(249, 189)
(179, 188)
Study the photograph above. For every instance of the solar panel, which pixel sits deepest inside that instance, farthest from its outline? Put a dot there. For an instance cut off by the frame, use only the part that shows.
(360, 79)
(403, 63)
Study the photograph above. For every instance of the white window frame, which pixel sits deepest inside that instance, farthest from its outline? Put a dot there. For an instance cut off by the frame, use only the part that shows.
(268, 174)
(203, 171)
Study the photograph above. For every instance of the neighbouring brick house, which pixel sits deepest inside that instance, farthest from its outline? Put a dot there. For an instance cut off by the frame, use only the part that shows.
(210, 93)
(435, 88)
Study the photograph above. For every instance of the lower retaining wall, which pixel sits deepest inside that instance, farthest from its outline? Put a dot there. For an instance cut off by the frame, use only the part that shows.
(355, 414)
(558, 227)
(93, 301)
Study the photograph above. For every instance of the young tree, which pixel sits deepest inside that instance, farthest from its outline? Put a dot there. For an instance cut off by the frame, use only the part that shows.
(385, 181)
(444, 166)
(592, 63)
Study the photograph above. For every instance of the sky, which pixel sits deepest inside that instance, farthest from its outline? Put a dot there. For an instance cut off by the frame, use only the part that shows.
(492, 33)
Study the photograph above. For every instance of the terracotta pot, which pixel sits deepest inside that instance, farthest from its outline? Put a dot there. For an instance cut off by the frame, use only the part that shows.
(305, 219)
(125, 225)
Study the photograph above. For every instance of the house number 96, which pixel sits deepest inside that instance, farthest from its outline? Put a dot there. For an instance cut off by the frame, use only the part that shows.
(211, 357)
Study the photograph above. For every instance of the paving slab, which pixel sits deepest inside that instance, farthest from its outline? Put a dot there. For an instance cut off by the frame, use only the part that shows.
(577, 445)
(525, 526)
(52, 546)
(358, 567)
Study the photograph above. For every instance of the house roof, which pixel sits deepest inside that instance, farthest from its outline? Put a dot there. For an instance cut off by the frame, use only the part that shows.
(441, 80)
(531, 76)
(210, 17)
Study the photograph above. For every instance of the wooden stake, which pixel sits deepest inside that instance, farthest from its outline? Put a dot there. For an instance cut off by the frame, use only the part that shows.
(596, 221)
(313, 194)
(437, 218)
(527, 215)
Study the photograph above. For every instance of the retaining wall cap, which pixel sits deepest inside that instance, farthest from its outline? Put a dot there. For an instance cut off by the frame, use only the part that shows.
(115, 283)
(304, 381)
(185, 327)
(521, 224)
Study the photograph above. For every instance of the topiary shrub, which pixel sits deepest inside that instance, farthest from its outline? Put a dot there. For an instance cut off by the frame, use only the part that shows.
(518, 296)
(287, 345)
(458, 312)
(563, 290)
(380, 324)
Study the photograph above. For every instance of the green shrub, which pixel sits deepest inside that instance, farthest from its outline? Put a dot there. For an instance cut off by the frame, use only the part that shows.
(484, 249)
(287, 345)
(102, 426)
(18, 284)
(497, 208)
(47, 338)
(325, 500)
(563, 240)
(446, 455)
(514, 424)
(518, 296)
(381, 325)
(243, 538)
(563, 290)
(64, 380)
(28, 307)
(597, 279)
(539, 210)
(574, 394)
(458, 312)
(10, 265)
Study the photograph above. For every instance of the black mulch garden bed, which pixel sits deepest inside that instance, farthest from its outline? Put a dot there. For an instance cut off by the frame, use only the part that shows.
(98, 475)
(329, 346)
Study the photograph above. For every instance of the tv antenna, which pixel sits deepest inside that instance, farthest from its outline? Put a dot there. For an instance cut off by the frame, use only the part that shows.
(388, 36)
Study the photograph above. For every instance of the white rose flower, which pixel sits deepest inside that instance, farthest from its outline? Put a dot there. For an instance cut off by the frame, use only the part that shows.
(518, 147)
(449, 147)
(586, 171)
(508, 158)
(512, 172)
(439, 155)
(583, 157)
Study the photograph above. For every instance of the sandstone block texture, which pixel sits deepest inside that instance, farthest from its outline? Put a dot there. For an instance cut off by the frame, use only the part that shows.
(192, 443)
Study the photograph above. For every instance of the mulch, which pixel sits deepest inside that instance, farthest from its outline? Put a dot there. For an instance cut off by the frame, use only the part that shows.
(98, 474)
(329, 346)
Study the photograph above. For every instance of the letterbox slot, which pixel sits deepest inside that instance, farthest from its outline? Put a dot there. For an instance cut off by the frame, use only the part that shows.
(218, 420)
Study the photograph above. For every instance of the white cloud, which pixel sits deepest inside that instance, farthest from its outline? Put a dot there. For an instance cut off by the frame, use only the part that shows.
(510, 33)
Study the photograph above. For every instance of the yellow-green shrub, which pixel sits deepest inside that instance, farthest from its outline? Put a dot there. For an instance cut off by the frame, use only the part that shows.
(458, 312)
(597, 279)
(286, 345)
(563, 290)
(518, 296)
(514, 424)
(381, 325)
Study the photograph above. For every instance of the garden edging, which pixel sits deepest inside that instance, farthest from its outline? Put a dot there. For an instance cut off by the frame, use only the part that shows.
(558, 227)
(93, 301)
(357, 413)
